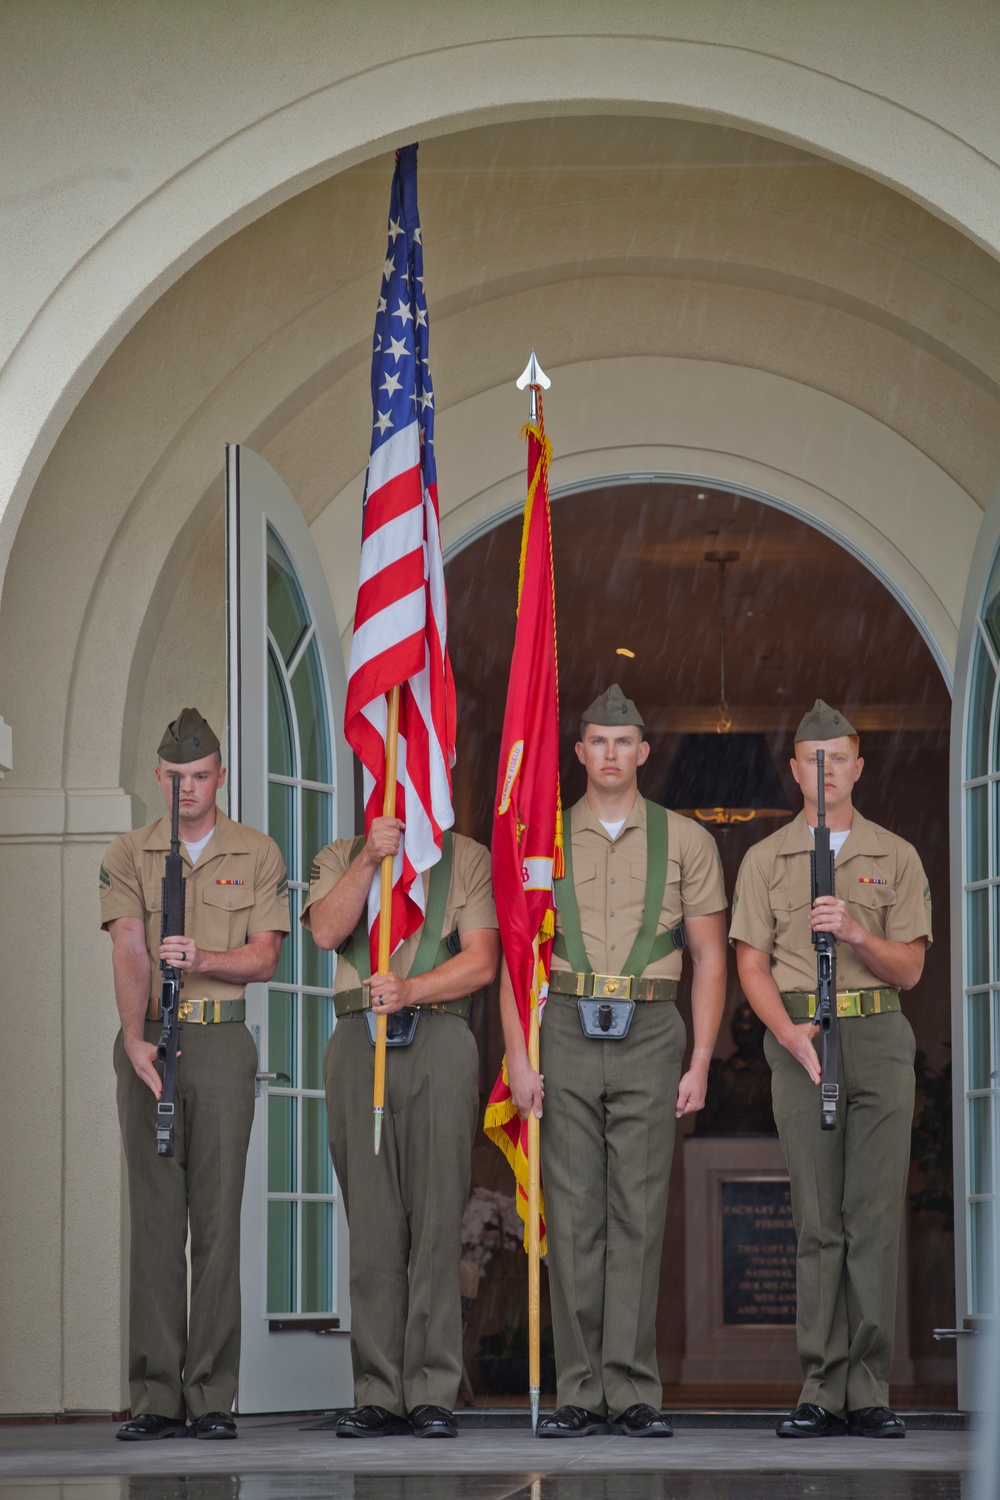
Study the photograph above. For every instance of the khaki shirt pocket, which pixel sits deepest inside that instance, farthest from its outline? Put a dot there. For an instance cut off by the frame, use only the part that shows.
(152, 900)
(589, 908)
(791, 905)
(637, 881)
(223, 917)
(871, 904)
(671, 906)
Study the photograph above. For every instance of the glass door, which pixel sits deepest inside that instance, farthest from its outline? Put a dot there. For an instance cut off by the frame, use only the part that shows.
(290, 775)
(980, 1117)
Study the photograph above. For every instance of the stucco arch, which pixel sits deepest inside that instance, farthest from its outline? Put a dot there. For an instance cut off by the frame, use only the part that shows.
(865, 105)
(819, 457)
(266, 341)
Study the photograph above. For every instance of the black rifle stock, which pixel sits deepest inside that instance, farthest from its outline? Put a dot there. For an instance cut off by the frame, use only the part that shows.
(171, 925)
(826, 957)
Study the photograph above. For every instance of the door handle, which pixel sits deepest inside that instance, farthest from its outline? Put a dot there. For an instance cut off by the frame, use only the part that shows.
(268, 1078)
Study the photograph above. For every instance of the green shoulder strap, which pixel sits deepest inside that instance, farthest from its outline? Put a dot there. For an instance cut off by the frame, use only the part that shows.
(568, 944)
(647, 947)
(432, 949)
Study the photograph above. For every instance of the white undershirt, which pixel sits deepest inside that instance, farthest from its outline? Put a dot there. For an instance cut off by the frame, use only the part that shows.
(837, 840)
(613, 829)
(194, 850)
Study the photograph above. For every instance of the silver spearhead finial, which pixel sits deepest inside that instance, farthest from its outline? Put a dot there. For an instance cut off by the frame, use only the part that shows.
(533, 376)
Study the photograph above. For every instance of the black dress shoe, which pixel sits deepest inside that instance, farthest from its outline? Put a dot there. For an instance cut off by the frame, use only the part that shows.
(213, 1424)
(642, 1421)
(149, 1425)
(433, 1421)
(371, 1422)
(808, 1421)
(571, 1421)
(876, 1422)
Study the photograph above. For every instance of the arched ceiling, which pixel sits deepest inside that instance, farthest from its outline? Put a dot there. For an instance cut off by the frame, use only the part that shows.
(596, 238)
(136, 141)
(634, 236)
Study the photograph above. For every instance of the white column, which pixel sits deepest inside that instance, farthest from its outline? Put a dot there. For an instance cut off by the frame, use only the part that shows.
(61, 1315)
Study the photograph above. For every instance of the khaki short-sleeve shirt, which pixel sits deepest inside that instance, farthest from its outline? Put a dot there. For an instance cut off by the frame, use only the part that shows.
(237, 888)
(877, 874)
(609, 877)
(468, 908)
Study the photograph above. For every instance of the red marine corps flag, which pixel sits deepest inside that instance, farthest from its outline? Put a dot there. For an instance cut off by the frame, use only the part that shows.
(527, 820)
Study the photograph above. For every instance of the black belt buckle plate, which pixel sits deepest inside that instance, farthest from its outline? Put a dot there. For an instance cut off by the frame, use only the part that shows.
(400, 1027)
(606, 1020)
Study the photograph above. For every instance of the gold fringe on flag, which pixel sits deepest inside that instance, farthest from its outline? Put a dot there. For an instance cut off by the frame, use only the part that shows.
(497, 1118)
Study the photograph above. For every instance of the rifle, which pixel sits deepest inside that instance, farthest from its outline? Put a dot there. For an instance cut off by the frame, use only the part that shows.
(171, 925)
(826, 957)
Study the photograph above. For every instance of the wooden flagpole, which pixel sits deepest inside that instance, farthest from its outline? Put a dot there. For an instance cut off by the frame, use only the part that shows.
(385, 906)
(534, 1207)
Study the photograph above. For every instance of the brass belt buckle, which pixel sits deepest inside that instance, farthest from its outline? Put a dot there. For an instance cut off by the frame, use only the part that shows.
(184, 1009)
(612, 986)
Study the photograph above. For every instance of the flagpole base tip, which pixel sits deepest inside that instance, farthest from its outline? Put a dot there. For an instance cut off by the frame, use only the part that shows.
(534, 1394)
(378, 1130)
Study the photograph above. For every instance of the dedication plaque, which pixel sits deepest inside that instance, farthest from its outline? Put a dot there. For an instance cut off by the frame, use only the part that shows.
(758, 1252)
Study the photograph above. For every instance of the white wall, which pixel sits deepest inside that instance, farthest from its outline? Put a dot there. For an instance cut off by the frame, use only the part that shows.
(210, 113)
(196, 199)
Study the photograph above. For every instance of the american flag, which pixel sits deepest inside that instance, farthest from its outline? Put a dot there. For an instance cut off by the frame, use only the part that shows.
(400, 625)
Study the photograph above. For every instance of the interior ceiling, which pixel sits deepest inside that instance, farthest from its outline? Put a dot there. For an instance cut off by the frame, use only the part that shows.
(614, 235)
(803, 617)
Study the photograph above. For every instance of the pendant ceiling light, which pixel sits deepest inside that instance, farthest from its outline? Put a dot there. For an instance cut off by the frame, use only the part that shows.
(725, 778)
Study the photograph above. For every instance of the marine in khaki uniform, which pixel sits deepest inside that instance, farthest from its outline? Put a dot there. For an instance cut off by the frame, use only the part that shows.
(848, 1184)
(634, 872)
(405, 1206)
(185, 1363)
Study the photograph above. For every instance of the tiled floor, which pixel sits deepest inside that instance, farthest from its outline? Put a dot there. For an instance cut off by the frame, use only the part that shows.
(278, 1458)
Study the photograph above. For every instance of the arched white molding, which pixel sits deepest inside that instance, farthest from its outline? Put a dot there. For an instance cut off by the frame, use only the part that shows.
(449, 87)
(767, 436)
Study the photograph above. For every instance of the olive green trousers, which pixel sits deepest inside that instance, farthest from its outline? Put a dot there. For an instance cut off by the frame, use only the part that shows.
(607, 1141)
(183, 1364)
(405, 1206)
(848, 1187)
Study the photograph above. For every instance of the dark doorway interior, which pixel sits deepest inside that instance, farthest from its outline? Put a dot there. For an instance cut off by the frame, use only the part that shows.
(803, 618)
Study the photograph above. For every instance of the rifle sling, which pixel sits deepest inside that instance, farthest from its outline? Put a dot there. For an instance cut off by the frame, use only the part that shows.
(432, 949)
(648, 947)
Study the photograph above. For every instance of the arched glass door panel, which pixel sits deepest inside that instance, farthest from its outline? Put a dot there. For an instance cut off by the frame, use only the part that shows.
(301, 1201)
(291, 777)
(981, 988)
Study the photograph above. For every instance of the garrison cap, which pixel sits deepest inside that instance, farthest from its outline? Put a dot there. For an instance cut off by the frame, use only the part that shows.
(612, 707)
(823, 723)
(188, 738)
